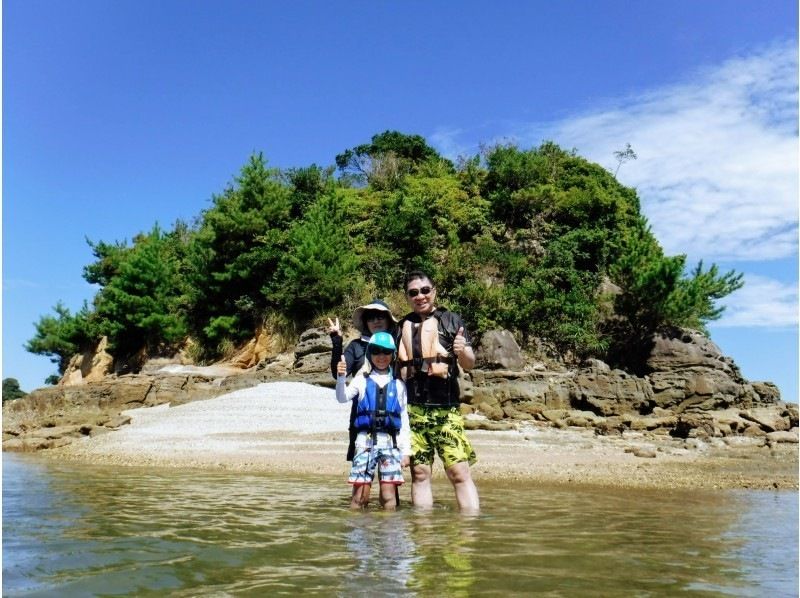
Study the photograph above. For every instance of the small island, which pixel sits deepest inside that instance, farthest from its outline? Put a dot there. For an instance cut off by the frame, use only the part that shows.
(594, 362)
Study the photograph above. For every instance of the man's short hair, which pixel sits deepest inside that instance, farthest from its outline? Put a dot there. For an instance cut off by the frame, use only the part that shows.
(418, 275)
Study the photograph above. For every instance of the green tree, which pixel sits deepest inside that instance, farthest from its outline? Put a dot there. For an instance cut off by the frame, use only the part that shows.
(321, 268)
(522, 239)
(11, 389)
(387, 159)
(307, 186)
(693, 301)
(235, 251)
(61, 336)
(656, 294)
(140, 307)
(625, 155)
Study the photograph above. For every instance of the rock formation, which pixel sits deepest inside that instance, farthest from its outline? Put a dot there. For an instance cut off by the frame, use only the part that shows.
(692, 391)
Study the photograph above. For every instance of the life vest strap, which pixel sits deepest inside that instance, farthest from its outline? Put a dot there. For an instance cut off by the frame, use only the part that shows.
(420, 360)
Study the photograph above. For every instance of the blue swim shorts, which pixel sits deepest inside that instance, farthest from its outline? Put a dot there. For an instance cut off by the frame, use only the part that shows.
(387, 460)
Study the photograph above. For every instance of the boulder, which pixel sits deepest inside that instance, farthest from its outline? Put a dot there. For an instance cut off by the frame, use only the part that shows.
(769, 419)
(55, 432)
(583, 419)
(767, 392)
(499, 350)
(790, 436)
(697, 387)
(313, 340)
(313, 363)
(677, 349)
(611, 393)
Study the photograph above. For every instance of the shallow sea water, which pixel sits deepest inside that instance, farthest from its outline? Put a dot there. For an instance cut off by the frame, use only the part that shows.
(77, 530)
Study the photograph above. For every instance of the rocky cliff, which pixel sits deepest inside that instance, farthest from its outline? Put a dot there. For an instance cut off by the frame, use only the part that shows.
(692, 391)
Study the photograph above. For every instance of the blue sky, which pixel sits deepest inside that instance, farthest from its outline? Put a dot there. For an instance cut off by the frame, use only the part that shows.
(117, 115)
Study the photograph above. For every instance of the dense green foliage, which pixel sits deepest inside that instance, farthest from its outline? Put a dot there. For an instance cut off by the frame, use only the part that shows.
(11, 389)
(518, 239)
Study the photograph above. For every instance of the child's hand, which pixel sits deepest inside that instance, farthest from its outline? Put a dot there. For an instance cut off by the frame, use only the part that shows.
(341, 367)
(405, 461)
(333, 327)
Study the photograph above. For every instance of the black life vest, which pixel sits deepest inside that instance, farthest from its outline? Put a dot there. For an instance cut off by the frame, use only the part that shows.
(430, 374)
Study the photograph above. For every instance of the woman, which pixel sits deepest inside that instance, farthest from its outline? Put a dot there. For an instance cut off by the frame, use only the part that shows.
(367, 319)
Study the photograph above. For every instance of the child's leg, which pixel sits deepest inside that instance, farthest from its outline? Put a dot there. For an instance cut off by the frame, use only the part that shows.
(360, 498)
(390, 476)
(361, 476)
(388, 497)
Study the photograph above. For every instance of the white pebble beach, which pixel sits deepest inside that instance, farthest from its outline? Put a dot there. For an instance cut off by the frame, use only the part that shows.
(294, 427)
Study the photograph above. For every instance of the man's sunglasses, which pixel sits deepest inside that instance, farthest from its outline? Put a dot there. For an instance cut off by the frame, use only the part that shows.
(423, 291)
(380, 351)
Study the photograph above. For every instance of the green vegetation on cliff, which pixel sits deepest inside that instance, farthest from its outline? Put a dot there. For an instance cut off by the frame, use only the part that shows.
(539, 241)
(11, 390)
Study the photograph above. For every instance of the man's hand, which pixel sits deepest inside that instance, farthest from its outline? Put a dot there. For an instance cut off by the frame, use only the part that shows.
(463, 352)
(459, 342)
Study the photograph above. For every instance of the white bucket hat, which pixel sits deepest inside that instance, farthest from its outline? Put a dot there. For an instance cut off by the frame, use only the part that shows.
(376, 305)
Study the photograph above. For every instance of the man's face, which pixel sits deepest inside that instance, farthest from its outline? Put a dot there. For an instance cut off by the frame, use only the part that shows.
(421, 295)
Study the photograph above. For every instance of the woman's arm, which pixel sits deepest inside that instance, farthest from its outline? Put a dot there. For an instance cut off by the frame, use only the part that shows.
(336, 342)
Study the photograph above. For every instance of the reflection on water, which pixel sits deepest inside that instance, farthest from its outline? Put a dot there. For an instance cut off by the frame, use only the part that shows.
(78, 530)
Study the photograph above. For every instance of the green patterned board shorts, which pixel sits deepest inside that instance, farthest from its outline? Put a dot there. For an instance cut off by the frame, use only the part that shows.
(440, 430)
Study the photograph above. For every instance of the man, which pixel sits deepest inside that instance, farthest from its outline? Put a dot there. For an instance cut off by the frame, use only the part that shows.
(433, 343)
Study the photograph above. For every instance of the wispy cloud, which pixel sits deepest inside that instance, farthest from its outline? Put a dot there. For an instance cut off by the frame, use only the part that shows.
(717, 167)
(762, 302)
(16, 284)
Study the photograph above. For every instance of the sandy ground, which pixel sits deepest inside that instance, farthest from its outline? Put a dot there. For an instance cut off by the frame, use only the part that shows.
(294, 427)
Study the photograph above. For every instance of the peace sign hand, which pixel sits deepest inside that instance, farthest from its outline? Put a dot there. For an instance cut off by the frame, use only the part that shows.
(334, 328)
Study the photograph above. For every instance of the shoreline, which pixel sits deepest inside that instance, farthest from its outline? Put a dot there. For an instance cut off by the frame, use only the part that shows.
(292, 427)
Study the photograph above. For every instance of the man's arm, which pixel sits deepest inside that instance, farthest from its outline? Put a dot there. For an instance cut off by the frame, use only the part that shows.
(466, 359)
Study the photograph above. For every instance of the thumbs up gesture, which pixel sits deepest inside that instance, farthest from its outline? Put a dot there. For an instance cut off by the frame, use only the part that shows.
(341, 367)
(459, 342)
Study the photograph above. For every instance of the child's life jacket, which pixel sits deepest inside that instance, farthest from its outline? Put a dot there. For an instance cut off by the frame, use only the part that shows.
(379, 409)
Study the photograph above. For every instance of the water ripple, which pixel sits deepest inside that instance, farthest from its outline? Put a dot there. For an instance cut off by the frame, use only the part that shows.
(101, 531)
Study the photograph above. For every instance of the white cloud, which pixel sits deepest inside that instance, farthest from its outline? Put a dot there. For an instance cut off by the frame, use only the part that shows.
(763, 302)
(446, 141)
(717, 167)
(15, 284)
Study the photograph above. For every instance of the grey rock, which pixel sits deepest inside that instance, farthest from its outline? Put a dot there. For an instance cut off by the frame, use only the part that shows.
(789, 436)
(644, 452)
(499, 350)
(769, 419)
(313, 340)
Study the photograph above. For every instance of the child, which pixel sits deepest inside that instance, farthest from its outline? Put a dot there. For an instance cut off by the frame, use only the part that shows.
(367, 319)
(384, 439)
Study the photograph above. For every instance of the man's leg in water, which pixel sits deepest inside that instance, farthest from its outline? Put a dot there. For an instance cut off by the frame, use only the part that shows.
(421, 492)
(466, 492)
